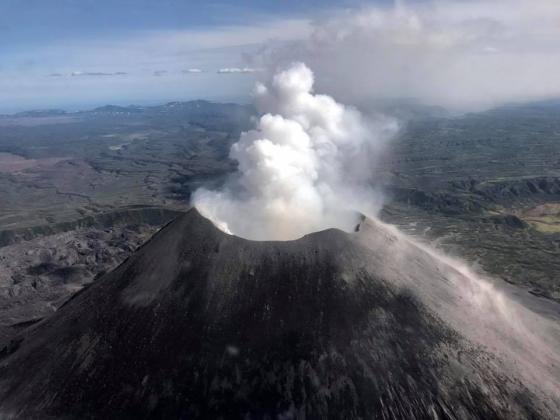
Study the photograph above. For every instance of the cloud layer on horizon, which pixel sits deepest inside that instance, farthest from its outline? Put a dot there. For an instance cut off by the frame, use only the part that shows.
(234, 70)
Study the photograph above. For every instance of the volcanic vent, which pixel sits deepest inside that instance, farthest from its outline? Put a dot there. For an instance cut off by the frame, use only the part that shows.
(201, 324)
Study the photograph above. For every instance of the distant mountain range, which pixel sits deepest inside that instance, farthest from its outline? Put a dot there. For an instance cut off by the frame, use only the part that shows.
(405, 109)
(195, 105)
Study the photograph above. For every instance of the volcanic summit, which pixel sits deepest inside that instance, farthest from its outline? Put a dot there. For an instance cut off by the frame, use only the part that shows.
(199, 324)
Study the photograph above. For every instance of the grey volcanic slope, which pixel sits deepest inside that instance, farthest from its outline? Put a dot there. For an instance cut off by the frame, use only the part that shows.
(201, 324)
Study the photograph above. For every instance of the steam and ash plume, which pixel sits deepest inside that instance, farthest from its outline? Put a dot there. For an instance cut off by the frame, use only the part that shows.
(306, 166)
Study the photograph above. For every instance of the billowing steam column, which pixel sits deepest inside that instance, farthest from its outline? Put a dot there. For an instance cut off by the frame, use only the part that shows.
(306, 166)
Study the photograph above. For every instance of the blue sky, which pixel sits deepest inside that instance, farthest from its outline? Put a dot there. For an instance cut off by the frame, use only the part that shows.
(74, 53)
(460, 54)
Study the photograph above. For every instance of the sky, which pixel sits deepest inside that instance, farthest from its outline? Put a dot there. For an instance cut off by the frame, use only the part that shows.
(75, 53)
(461, 54)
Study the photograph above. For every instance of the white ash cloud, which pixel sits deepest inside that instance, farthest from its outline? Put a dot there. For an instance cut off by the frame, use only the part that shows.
(460, 55)
(306, 166)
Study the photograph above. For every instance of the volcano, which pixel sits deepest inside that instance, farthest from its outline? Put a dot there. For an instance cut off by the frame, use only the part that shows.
(199, 324)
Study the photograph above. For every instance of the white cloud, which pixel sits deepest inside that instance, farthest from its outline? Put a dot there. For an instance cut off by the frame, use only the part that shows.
(230, 70)
(95, 73)
(171, 49)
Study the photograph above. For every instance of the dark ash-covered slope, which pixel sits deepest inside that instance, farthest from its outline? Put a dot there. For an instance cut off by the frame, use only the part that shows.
(200, 324)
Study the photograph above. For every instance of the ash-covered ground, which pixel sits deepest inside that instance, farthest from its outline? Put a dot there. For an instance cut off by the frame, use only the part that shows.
(37, 276)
